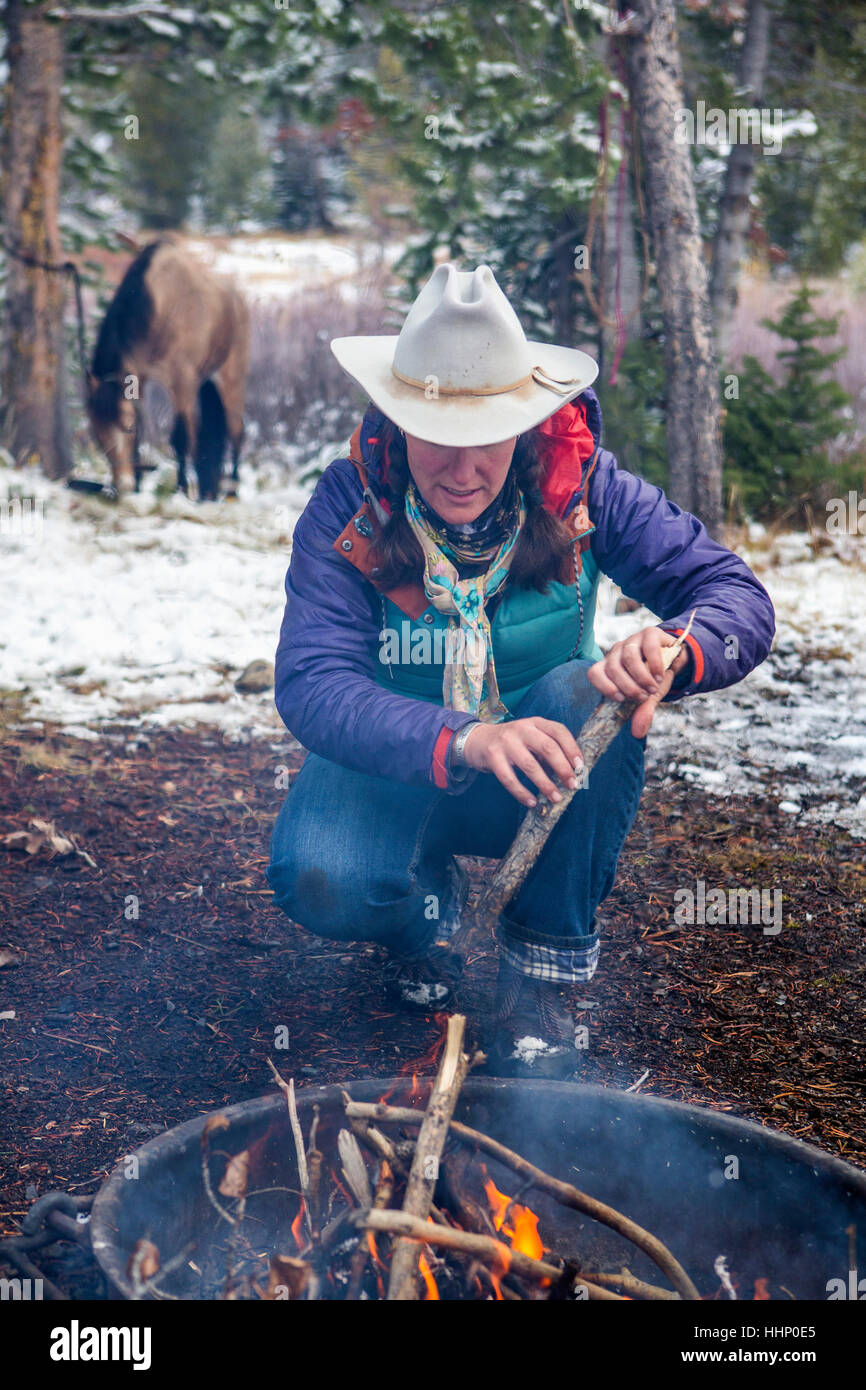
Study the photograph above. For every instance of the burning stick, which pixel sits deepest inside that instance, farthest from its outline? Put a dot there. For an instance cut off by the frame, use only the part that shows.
(564, 1192)
(594, 738)
(383, 1148)
(428, 1151)
(492, 1253)
(314, 1170)
(384, 1193)
(354, 1168)
(288, 1090)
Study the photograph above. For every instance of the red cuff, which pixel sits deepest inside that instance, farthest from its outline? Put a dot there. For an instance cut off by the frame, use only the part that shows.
(697, 654)
(439, 771)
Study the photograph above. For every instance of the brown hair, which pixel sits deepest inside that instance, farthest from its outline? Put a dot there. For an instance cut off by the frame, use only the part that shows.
(543, 551)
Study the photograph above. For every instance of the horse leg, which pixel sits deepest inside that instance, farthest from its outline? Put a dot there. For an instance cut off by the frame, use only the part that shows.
(179, 444)
(236, 454)
(136, 450)
(231, 378)
(184, 435)
(236, 438)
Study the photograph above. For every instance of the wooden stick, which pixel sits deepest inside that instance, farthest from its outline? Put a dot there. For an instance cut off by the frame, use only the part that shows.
(383, 1148)
(315, 1159)
(564, 1192)
(354, 1168)
(493, 1253)
(403, 1283)
(384, 1193)
(594, 739)
(288, 1090)
(635, 1288)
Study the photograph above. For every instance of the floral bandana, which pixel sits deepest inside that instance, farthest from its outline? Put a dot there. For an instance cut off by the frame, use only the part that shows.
(469, 682)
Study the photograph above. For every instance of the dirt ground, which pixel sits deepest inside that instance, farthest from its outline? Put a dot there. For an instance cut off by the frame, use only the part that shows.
(126, 1025)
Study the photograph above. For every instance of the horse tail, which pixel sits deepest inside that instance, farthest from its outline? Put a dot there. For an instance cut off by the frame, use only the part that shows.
(212, 440)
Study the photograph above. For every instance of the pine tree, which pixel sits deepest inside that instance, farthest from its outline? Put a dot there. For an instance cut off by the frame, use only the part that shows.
(494, 118)
(78, 52)
(777, 434)
(177, 112)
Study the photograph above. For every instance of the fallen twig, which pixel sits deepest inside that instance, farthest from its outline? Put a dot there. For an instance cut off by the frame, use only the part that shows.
(636, 1085)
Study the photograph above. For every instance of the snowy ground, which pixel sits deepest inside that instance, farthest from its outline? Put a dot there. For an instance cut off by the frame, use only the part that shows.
(274, 268)
(796, 726)
(149, 609)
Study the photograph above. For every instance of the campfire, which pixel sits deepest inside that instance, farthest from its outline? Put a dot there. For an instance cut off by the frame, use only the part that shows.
(454, 1185)
(404, 1202)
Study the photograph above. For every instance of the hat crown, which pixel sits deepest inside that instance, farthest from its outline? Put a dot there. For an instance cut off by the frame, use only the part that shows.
(463, 333)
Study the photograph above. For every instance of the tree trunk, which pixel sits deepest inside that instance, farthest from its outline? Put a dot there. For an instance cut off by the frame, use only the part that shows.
(563, 275)
(693, 407)
(32, 363)
(739, 177)
(621, 271)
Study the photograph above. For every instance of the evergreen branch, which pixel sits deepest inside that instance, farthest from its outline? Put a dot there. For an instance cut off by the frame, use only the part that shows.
(119, 16)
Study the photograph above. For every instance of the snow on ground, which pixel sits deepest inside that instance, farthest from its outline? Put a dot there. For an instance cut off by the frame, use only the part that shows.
(273, 268)
(147, 610)
(796, 726)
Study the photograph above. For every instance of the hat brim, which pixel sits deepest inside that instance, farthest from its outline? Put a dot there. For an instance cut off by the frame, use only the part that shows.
(466, 420)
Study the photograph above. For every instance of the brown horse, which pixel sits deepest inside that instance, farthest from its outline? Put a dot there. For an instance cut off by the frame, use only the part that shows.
(174, 322)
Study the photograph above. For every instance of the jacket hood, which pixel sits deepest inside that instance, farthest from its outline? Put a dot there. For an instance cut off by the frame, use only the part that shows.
(574, 430)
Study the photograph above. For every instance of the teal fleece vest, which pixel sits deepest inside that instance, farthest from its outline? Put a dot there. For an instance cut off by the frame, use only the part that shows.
(531, 633)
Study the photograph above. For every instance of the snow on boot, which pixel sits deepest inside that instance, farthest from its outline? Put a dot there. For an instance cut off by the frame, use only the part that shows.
(425, 982)
(533, 1031)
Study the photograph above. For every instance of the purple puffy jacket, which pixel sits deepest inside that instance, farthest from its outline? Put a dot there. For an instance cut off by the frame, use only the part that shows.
(326, 661)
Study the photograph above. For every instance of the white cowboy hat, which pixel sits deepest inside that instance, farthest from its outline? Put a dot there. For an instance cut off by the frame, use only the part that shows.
(461, 370)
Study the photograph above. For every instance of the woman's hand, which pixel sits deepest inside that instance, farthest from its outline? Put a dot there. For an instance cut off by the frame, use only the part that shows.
(539, 747)
(632, 670)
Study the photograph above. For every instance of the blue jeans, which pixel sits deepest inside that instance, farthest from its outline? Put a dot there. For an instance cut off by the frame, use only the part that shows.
(360, 858)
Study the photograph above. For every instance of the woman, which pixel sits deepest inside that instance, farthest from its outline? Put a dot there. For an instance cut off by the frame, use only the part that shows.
(437, 656)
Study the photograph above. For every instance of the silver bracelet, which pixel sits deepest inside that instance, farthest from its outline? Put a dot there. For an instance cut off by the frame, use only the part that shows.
(458, 742)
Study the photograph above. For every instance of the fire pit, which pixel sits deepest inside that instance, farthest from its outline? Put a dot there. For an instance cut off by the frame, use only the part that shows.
(707, 1184)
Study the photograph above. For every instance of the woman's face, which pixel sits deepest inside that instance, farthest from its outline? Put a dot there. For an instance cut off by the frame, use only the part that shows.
(459, 482)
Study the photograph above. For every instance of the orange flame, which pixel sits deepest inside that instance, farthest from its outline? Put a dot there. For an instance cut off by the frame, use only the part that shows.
(498, 1203)
(431, 1293)
(761, 1290)
(522, 1228)
(526, 1238)
(297, 1227)
(426, 1064)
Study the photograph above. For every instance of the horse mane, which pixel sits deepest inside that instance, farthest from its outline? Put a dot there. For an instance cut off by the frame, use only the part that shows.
(127, 322)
